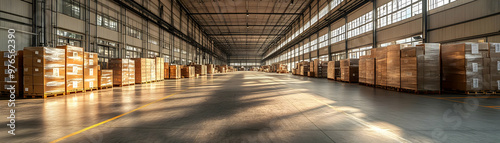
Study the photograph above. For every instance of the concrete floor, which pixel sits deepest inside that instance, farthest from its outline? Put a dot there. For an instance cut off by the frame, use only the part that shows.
(254, 107)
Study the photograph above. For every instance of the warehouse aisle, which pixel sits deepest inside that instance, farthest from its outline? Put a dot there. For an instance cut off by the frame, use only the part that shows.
(254, 107)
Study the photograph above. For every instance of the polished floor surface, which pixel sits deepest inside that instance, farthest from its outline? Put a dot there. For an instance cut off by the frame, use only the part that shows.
(254, 107)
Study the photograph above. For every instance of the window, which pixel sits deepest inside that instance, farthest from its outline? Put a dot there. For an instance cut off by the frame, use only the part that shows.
(334, 3)
(70, 8)
(132, 52)
(438, 3)
(360, 25)
(134, 32)
(68, 38)
(107, 22)
(152, 54)
(338, 34)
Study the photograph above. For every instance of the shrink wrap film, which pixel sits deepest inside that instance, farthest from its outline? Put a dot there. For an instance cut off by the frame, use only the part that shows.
(131, 71)
(175, 71)
(18, 74)
(349, 70)
(105, 78)
(90, 71)
(142, 70)
(166, 70)
(44, 70)
(74, 68)
(159, 68)
(210, 69)
(420, 67)
(188, 72)
(120, 71)
(465, 67)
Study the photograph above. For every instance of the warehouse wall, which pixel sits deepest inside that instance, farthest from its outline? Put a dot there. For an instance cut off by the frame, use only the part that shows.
(460, 20)
(17, 14)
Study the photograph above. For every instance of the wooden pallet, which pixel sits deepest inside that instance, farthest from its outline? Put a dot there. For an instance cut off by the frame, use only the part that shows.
(481, 92)
(346, 81)
(43, 95)
(75, 91)
(419, 91)
(393, 88)
(91, 89)
(105, 87)
(367, 84)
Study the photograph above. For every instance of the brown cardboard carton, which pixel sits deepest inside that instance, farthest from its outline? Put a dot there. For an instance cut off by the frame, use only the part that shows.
(105, 78)
(175, 71)
(210, 69)
(120, 71)
(166, 70)
(159, 68)
(464, 67)
(381, 68)
(15, 61)
(188, 72)
(142, 70)
(349, 70)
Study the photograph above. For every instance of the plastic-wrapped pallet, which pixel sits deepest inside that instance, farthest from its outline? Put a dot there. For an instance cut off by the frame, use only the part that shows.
(381, 68)
(420, 67)
(5, 85)
(210, 69)
(166, 70)
(159, 68)
(188, 72)
(394, 65)
(74, 68)
(120, 71)
(494, 51)
(349, 70)
(142, 70)
(152, 69)
(131, 72)
(44, 71)
(465, 67)
(105, 78)
(175, 71)
(90, 71)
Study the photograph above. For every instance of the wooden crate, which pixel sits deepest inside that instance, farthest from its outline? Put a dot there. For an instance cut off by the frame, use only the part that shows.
(74, 68)
(44, 71)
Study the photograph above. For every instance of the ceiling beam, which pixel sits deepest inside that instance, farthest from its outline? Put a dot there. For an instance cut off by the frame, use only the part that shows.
(246, 13)
(243, 34)
(243, 25)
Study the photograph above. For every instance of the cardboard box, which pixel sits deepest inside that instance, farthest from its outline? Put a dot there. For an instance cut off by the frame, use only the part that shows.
(210, 69)
(166, 70)
(131, 72)
(188, 72)
(142, 70)
(200, 69)
(17, 71)
(120, 71)
(334, 70)
(159, 68)
(175, 72)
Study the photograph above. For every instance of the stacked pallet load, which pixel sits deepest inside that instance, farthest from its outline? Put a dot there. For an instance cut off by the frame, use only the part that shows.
(175, 72)
(200, 69)
(166, 70)
(465, 69)
(210, 68)
(16, 65)
(152, 69)
(381, 68)
(142, 70)
(494, 51)
(131, 72)
(394, 65)
(311, 72)
(333, 70)
(159, 68)
(323, 70)
(282, 68)
(362, 68)
(222, 69)
(420, 68)
(44, 72)
(349, 70)
(74, 68)
(120, 71)
(90, 71)
(188, 72)
(105, 78)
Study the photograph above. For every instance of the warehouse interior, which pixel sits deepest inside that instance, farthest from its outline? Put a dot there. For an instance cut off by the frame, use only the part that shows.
(250, 70)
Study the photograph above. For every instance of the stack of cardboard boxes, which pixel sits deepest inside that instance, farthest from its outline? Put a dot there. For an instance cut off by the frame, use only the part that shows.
(15, 61)
(166, 70)
(131, 72)
(105, 78)
(420, 68)
(333, 70)
(120, 71)
(210, 69)
(142, 70)
(188, 72)
(175, 72)
(349, 70)
(200, 69)
(90, 71)
(160, 66)
(74, 68)
(44, 71)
